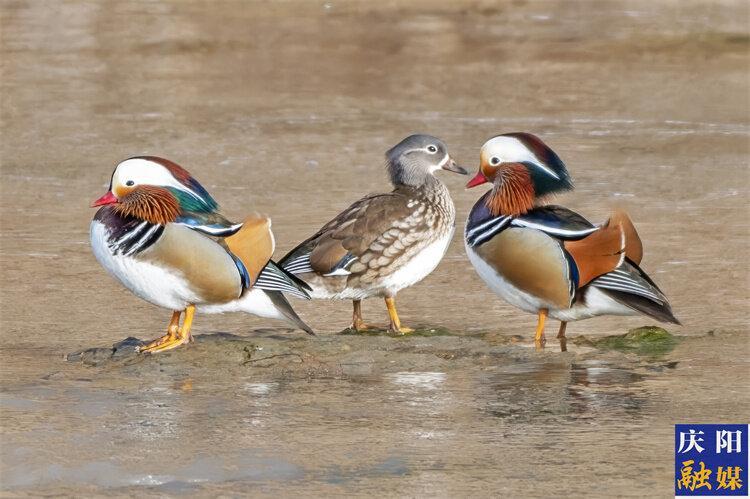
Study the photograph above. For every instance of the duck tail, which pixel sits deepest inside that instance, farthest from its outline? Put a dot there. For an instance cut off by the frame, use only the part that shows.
(285, 308)
(661, 311)
(275, 278)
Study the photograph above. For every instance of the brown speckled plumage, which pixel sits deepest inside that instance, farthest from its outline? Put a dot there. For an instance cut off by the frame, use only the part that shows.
(382, 231)
(384, 242)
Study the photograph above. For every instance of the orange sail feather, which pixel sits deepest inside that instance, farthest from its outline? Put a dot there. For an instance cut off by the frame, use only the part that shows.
(253, 244)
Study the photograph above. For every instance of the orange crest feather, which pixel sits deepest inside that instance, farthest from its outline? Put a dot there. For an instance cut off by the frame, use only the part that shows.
(598, 253)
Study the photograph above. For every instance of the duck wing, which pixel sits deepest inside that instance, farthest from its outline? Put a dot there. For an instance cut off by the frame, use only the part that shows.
(346, 238)
(593, 256)
(251, 247)
(209, 223)
(605, 256)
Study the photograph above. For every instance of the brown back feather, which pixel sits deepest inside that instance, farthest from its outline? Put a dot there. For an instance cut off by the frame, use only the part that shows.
(598, 253)
(357, 227)
(326, 254)
(633, 244)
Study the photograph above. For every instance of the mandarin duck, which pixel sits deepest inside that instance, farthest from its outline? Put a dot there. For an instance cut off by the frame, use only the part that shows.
(159, 233)
(546, 259)
(384, 243)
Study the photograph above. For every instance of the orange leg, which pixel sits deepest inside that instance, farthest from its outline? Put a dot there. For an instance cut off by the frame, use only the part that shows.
(175, 336)
(174, 325)
(396, 326)
(539, 336)
(172, 331)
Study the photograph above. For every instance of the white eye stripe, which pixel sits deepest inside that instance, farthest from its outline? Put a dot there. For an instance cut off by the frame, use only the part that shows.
(547, 170)
(143, 171)
(514, 151)
(422, 149)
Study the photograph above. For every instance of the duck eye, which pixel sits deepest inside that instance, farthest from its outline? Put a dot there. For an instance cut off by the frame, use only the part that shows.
(431, 149)
(494, 161)
(130, 183)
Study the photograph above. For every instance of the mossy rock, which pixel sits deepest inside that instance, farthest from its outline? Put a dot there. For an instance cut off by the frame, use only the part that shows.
(421, 331)
(646, 340)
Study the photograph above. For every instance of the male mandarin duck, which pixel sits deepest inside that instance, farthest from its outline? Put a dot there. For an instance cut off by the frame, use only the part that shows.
(384, 243)
(546, 259)
(159, 233)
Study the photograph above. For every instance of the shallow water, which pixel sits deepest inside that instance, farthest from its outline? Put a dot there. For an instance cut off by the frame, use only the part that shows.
(287, 109)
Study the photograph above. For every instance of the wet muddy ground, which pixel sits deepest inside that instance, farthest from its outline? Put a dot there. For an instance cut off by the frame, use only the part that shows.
(287, 109)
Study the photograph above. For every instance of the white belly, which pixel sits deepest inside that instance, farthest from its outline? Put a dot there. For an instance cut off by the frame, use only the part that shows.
(156, 285)
(347, 293)
(255, 301)
(418, 267)
(595, 303)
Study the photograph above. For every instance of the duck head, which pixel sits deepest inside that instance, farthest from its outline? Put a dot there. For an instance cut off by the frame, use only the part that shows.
(155, 189)
(522, 169)
(414, 160)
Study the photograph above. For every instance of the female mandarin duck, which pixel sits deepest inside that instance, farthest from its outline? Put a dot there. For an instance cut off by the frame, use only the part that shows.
(546, 259)
(384, 242)
(159, 233)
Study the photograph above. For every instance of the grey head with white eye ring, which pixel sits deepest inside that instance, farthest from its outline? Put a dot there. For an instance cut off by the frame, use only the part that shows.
(414, 160)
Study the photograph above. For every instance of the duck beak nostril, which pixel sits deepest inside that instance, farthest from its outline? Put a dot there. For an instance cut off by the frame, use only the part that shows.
(451, 166)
